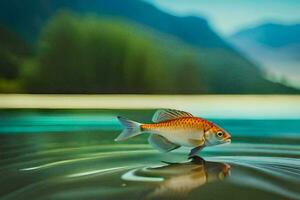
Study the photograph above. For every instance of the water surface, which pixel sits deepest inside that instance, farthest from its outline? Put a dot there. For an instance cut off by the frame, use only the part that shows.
(68, 154)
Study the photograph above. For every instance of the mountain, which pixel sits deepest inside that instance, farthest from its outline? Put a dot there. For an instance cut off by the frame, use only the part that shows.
(274, 46)
(224, 69)
(271, 34)
(12, 50)
(29, 17)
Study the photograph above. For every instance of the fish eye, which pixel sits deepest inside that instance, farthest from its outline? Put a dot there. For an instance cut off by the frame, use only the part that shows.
(220, 134)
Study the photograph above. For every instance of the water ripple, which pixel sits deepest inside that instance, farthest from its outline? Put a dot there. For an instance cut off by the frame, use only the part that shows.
(100, 171)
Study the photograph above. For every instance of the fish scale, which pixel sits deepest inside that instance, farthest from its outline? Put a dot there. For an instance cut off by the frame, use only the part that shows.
(183, 123)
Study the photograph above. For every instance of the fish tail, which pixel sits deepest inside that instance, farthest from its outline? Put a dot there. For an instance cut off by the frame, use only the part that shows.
(131, 129)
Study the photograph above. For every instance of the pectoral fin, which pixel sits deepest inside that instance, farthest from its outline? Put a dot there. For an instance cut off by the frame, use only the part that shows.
(196, 142)
(199, 146)
(194, 151)
(161, 143)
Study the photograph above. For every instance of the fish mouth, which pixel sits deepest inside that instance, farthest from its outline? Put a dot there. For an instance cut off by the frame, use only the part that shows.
(227, 140)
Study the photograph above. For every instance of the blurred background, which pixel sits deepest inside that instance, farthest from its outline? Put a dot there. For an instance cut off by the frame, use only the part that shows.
(233, 62)
(150, 46)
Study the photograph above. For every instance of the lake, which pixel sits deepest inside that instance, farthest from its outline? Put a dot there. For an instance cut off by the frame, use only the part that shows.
(59, 150)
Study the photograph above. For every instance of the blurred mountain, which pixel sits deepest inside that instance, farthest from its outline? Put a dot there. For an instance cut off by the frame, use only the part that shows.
(222, 69)
(30, 15)
(274, 46)
(271, 34)
(12, 50)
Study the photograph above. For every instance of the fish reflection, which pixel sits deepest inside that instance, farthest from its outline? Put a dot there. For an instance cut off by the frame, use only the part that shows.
(177, 180)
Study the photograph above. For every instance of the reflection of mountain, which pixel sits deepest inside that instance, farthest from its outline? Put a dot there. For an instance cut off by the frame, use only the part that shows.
(222, 69)
(275, 46)
(177, 180)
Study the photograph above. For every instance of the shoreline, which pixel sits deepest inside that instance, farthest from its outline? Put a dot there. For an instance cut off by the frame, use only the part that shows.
(228, 106)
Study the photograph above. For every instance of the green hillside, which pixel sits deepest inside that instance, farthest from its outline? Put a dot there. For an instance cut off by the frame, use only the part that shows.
(106, 55)
(13, 50)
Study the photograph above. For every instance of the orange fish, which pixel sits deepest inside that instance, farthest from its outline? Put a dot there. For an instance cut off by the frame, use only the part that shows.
(173, 128)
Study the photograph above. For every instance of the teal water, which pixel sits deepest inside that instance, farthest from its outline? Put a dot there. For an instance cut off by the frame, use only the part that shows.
(68, 154)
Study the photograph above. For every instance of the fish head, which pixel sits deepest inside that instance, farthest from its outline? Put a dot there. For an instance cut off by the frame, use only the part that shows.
(216, 135)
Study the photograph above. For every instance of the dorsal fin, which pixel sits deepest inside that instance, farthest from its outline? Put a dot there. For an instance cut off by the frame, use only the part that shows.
(168, 114)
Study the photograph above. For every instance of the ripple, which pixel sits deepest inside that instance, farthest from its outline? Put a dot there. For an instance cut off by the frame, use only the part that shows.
(278, 173)
(89, 157)
(132, 176)
(100, 171)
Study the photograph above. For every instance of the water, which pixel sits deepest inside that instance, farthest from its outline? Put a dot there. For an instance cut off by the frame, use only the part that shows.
(68, 154)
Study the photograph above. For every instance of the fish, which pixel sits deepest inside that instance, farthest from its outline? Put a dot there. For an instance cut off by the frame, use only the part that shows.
(172, 129)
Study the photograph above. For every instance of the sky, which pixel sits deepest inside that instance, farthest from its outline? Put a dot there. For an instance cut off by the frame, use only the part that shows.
(229, 16)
